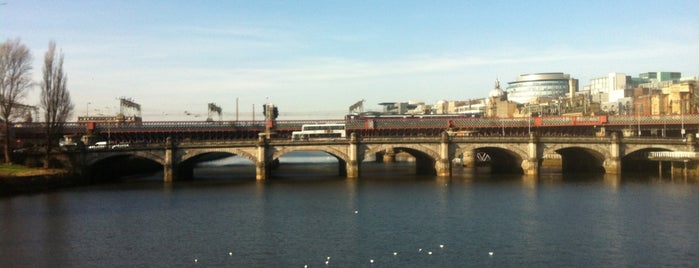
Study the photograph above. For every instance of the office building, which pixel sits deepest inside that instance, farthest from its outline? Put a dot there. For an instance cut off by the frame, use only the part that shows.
(529, 87)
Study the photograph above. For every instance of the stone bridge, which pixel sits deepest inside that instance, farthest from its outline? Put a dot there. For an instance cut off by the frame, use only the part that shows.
(527, 155)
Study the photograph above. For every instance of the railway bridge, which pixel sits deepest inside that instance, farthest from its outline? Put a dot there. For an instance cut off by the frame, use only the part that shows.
(527, 154)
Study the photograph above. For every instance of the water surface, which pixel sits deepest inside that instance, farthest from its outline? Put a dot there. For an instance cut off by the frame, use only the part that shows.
(224, 218)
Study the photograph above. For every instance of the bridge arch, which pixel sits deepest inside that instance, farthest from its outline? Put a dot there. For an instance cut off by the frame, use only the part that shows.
(425, 156)
(629, 150)
(580, 157)
(508, 159)
(636, 160)
(339, 153)
(193, 153)
(95, 158)
(110, 165)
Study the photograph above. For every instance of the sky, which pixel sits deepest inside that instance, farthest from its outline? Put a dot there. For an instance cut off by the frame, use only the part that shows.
(313, 59)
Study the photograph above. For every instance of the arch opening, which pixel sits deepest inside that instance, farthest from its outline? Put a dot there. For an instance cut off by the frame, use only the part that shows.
(581, 160)
(638, 163)
(397, 162)
(308, 164)
(216, 166)
(497, 161)
(124, 167)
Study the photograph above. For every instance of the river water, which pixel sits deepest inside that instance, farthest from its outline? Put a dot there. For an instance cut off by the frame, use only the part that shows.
(389, 217)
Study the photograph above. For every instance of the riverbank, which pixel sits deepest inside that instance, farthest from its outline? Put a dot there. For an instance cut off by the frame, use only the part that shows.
(18, 179)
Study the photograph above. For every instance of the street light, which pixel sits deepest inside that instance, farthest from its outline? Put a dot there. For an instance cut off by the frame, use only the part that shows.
(638, 117)
(682, 116)
(87, 109)
(529, 119)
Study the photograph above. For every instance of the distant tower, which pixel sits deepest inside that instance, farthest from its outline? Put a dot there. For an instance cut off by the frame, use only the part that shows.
(28, 117)
(497, 100)
(497, 93)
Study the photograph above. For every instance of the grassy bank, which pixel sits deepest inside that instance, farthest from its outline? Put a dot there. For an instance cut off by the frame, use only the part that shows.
(13, 170)
(18, 179)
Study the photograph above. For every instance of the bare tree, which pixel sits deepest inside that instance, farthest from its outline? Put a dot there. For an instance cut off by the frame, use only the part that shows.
(55, 99)
(15, 81)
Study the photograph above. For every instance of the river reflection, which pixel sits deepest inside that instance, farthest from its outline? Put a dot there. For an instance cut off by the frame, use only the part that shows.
(226, 218)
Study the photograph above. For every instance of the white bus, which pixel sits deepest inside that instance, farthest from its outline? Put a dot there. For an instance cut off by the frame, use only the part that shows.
(319, 131)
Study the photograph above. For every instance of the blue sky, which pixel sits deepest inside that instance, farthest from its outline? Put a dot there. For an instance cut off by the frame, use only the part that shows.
(315, 58)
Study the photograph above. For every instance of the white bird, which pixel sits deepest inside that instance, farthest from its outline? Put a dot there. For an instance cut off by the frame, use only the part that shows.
(419, 250)
(371, 261)
(490, 253)
(230, 253)
(326, 262)
(395, 253)
(429, 253)
(441, 246)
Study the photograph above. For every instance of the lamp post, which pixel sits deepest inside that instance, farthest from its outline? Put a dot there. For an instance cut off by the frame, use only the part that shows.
(682, 117)
(109, 133)
(529, 119)
(87, 109)
(638, 117)
(664, 124)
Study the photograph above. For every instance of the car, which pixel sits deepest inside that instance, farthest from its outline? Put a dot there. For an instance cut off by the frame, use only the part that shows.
(98, 145)
(120, 146)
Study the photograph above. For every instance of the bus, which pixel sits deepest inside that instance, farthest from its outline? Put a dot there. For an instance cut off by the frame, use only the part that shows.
(319, 131)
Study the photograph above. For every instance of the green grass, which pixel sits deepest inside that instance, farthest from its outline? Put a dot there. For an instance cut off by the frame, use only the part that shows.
(8, 169)
(14, 170)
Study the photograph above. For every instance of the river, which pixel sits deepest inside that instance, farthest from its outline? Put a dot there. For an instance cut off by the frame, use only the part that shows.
(308, 216)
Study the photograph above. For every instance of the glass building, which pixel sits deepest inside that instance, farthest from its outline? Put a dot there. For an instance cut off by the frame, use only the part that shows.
(661, 76)
(529, 87)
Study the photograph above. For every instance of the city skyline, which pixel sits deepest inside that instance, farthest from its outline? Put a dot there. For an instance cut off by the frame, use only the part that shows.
(317, 58)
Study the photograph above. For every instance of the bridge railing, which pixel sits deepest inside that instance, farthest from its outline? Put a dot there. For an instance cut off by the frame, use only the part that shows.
(672, 155)
(654, 120)
(408, 123)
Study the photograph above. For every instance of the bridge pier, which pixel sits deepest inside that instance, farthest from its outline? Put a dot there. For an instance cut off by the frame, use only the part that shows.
(551, 163)
(530, 166)
(169, 166)
(612, 165)
(389, 156)
(352, 166)
(263, 165)
(468, 161)
(443, 164)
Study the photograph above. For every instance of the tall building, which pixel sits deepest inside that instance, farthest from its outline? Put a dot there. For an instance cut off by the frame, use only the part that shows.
(609, 88)
(661, 76)
(529, 87)
(658, 80)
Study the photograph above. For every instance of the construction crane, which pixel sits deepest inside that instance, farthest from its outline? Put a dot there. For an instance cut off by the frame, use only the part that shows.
(357, 107)
(213, 108)
(128, 107)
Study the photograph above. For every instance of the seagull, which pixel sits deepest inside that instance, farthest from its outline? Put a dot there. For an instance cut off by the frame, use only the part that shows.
(490, 253)
(441, 246)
